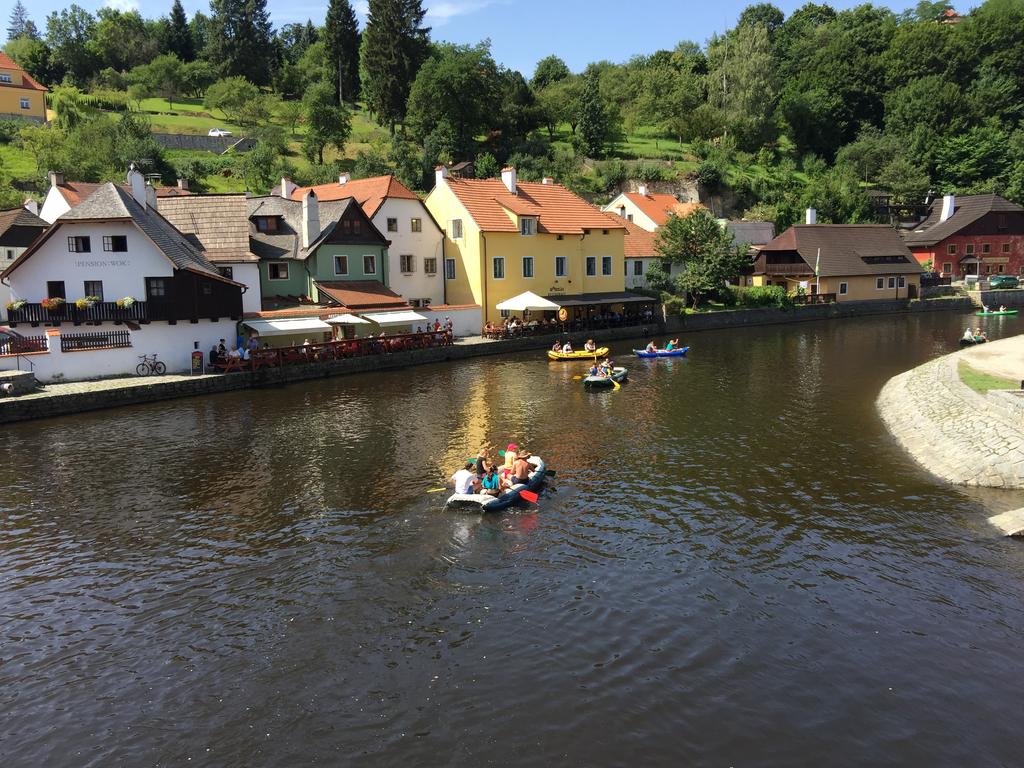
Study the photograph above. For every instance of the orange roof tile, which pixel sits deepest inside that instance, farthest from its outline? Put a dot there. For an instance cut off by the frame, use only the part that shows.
(639, 243)
(6, 62)
(363, 295)
(558, 210)
(655, 207)
(370, 193)
(682, 210)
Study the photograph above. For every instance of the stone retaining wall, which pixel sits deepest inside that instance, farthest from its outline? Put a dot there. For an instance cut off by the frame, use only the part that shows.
(951, 430)
(22, 382)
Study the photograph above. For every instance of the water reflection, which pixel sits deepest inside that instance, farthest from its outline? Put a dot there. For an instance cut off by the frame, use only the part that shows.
(734, 563)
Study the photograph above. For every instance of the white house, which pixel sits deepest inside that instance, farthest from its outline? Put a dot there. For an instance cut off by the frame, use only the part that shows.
(112, 280)
(19, 228)
(64, 195)
(218, 225)
(640, 253)
(648, 210)
(415, 255)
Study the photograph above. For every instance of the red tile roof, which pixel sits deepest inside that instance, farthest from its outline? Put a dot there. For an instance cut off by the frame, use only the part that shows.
(370, 193)
(639, 243)
(6, 62)
(363, 295)
(558, 210)
(656, 207)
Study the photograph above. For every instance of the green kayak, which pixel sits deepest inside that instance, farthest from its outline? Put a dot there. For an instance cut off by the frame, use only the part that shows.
(994, 314)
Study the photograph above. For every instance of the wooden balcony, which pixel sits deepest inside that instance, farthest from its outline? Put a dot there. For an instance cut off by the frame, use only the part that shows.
(102, 311)
(760, 268)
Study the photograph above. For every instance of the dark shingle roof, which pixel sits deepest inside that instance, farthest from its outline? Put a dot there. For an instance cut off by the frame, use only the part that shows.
(112, 202)
(286, 243)
(847, 249)
(20, 217)
(966, 210)
(753, 232)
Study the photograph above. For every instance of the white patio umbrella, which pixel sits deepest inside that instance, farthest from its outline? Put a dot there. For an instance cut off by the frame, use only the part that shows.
(528, 300)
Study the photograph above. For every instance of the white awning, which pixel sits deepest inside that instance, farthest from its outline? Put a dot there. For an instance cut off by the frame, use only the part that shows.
(346, 320)
(527, 300)
(286, 326)
(394, 318)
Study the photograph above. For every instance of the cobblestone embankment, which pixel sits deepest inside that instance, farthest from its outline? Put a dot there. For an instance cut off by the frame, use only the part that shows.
(957, 434)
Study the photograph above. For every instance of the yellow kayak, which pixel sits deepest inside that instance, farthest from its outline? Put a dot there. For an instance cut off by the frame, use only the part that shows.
(580, 355)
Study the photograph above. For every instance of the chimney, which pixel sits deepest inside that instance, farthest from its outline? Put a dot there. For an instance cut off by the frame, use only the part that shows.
(811, 216)
(287, 187)
(548, 180)
(440, 174)
(310, 219)
(32, 206)
(508, 178)
(183, 185)
(343, 179)
(138, 185)
(622, 211)
(643, 190)
(56, 178)
(948, 205)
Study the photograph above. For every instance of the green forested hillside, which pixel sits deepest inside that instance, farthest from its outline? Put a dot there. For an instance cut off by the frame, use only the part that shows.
(781, 112)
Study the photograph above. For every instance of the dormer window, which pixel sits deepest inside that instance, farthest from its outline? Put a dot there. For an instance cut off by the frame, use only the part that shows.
(5, 78)
(527, 225)
(266, 223)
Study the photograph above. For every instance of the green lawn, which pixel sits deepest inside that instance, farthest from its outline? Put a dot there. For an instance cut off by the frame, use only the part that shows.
(982, 382)
(17, 163)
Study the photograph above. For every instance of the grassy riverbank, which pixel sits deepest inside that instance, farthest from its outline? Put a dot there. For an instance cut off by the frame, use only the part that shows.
(982, 382)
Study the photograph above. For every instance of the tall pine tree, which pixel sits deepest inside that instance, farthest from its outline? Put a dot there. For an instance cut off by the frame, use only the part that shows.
(179, 35)
(594, 129)
(240, 40)
(341, 47)
(19, 24)
(394, 46)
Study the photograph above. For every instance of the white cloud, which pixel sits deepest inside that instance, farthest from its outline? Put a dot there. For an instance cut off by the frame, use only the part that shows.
(122, 5)
(440, 13)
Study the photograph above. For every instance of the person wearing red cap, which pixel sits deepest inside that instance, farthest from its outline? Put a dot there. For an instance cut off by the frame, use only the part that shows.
(510, 458)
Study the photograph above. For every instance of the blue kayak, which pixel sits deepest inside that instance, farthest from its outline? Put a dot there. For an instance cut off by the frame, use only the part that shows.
(681, 352)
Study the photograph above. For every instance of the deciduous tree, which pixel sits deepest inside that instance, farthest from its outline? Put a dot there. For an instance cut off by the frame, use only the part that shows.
(327, 122)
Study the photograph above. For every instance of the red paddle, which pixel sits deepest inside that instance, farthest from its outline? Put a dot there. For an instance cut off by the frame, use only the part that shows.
(529, 496)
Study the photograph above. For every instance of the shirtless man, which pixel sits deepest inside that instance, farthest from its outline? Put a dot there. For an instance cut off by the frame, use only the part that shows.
(521, 468)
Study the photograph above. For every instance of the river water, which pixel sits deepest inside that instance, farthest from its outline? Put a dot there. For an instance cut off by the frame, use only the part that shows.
(735, 565)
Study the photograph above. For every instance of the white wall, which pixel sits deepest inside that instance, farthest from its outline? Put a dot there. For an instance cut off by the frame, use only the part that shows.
(638, 217)
(466, 322)
(172, 344)
(249, 276)
(5, 292)
(123, 274)
(53, 206)
(425, 244)
(637, 281)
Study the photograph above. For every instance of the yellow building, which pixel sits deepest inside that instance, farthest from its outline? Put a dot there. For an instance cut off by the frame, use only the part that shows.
(503, 238)
(20, 95)
(845, 262)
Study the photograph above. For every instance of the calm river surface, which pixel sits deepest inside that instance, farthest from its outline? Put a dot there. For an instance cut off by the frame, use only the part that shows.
(734, 566)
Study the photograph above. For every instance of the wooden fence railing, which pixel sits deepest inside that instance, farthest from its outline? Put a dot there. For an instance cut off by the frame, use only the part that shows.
(19, 345)
(78, 342)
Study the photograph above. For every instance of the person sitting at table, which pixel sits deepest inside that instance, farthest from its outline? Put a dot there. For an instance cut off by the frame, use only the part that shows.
(590, 346)
(254, 343)
(214, 355)
(234, 354)
(567, 348)
(437, 326)
(222, 350)
(244, 353)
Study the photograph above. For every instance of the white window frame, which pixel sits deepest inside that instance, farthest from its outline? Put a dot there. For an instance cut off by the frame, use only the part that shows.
(844, 288)
(25, 103)
(430, 265)
(969, 249)
(986, 247)
(449, 269)
(345, 271)
(947, 267)
(411, 263)
(5, 78)
(901, 282)
(563, 262)
(415, 224)
(528, 260)
(10, 254)
(392, 223)
(373, 258)
(591, 266)
(606, 261)
(495, 262)
(1004, 248)
(892, 283)
(504, 313)
(456, 229)
(879, 283)
(527, 226)
(951, 249)
(279, 265)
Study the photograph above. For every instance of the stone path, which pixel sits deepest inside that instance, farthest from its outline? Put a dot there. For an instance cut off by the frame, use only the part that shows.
(45, 391)
(951, 430)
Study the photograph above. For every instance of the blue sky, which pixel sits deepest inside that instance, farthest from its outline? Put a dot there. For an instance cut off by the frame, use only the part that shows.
(524, 31)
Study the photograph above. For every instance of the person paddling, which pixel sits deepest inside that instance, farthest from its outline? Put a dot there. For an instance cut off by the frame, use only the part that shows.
(652, 347)
(672, 344)
(521, 468)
